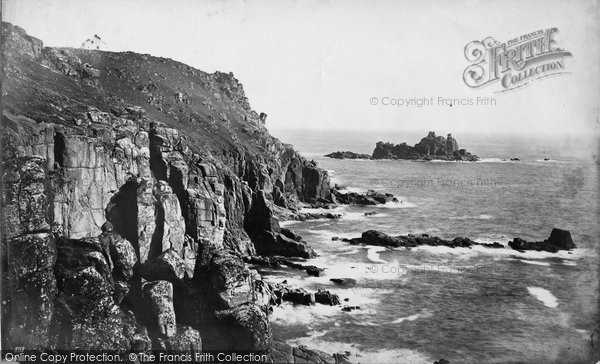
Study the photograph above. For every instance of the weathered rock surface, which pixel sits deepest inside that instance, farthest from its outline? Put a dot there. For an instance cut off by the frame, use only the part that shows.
(186, 340)
(168, 266)
(284, 353)
(159, 295)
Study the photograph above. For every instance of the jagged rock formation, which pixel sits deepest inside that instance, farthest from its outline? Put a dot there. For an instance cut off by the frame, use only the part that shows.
(133, 187)
(430, 147)
(559, 240)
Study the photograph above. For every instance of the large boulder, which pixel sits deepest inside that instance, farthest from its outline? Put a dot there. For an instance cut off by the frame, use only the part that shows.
(327, 298)
(374, 237)
(561, 239)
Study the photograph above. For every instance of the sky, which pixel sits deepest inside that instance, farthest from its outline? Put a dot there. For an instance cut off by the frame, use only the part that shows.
(319, 64)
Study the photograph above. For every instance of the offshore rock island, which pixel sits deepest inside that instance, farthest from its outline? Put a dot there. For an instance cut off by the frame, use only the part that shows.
(431, 147)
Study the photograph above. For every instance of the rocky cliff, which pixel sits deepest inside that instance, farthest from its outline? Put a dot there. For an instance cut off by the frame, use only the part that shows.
(133, 187)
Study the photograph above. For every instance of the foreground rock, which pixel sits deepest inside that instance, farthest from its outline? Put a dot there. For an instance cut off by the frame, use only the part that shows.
(276, 262)
(429, 148)
(558, 240)
(284, 353)
(283, 292)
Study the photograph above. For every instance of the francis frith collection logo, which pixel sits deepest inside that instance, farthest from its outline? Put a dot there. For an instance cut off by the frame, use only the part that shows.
(516, 62)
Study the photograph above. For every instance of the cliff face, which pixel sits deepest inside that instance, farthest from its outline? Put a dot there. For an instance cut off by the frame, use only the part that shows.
(133, 186)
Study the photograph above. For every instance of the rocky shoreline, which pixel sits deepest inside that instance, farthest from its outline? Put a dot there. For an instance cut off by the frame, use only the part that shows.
(135, 202)
(136, 207)
(431, 147)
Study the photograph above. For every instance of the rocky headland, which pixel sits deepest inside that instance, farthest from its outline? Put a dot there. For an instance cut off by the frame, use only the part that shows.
(135, 189)
(431, 147)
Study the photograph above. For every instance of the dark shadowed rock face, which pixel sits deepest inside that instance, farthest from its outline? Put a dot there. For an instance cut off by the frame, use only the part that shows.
(250, 329)
(127, 210)
(559, 240)
(168, 266)
(263, 227)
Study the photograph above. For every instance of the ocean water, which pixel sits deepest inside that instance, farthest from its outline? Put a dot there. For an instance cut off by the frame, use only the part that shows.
(465, 305)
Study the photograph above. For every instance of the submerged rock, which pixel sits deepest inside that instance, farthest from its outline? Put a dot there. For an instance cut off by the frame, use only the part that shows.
(343, 281)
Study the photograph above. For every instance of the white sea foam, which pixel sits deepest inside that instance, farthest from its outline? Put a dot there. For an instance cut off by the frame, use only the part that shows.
(468, 217)
(403, 204)
(373, 254)
(366, 298)
(545, 296)
(288, 223)
(550, 161)
(424, 314)
(318, 210)
(493, 160)
(349, 189)
(534, 262)
(464, 253)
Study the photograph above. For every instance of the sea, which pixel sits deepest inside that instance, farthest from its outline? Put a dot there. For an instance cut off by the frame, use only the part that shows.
(477, 305)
